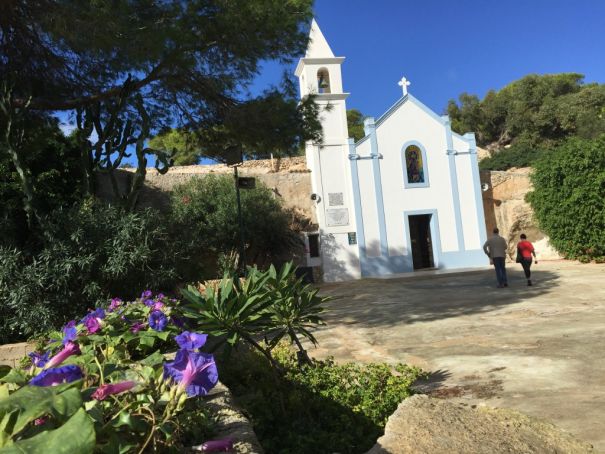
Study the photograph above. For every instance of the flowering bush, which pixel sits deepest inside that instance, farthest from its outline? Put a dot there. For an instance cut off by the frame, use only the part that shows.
(106, 383)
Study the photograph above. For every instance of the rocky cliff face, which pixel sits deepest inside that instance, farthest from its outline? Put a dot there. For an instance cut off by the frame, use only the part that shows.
(505, 207)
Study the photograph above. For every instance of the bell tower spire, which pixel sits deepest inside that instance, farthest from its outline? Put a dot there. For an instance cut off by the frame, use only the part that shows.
(320, 76)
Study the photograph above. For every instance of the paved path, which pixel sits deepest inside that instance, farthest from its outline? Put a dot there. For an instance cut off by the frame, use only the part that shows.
(540, 349)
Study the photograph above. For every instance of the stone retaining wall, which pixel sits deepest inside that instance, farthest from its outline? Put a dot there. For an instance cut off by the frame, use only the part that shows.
(288, 178)
(11, 354)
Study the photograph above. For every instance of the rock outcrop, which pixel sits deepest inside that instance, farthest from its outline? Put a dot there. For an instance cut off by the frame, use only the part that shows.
(423, 425)
(505, 207)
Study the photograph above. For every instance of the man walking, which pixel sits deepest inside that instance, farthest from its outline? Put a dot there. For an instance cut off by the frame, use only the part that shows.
(495, 249)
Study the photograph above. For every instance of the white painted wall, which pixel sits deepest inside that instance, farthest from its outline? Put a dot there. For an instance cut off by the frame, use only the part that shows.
(466, 189)
(369, 210)
(411, 123)
(340, 260)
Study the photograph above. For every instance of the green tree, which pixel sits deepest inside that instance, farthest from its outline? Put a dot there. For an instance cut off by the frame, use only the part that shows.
(180, 144)
(129, 69)
(535, 113)
(569, 197)
(355, 124)
(53, 171)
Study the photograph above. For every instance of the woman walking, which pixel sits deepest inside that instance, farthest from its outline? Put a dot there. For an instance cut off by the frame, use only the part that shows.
(525, 250)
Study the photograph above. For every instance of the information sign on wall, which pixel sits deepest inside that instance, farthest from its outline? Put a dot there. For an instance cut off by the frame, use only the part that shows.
(337, 216)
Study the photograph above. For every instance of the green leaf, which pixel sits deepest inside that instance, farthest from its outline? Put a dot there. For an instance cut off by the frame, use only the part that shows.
(76, 436)
(147, 340)
(14, 376)
(35, 401)
(153, 360)
(4, 369)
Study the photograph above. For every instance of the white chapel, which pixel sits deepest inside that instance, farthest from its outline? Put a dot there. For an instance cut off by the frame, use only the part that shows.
(406, 197)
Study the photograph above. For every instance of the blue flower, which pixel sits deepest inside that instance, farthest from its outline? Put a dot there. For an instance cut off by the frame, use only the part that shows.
(70, 332)
(158, 320)
(194, 372)
(98, 313)
(39, 359)
(148, 302)
(57, 376)
(190, 341)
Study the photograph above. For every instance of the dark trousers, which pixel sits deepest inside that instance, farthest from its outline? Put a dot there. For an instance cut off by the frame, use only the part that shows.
(500, 266)
(526, 264)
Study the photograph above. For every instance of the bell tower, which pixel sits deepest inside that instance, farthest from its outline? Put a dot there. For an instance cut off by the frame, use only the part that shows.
(320, 76)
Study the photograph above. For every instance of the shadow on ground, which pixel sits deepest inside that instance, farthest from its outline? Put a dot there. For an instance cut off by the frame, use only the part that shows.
(379, 303)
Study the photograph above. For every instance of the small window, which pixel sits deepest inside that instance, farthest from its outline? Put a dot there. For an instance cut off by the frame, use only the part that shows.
(414, 165)
(313, 244)
(323, 81)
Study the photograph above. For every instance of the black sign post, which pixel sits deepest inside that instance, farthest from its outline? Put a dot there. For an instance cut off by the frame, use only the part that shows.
(242, 245)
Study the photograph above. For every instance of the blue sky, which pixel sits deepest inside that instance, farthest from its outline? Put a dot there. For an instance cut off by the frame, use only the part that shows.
(446, 47)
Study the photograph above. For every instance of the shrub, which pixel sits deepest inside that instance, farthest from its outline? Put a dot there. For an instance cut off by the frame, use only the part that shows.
(90, 252)
(569, 197)
(326, 408)
(205, 211)
(515, 156)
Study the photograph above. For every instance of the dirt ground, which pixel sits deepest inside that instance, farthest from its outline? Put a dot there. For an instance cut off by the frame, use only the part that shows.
(539, 349)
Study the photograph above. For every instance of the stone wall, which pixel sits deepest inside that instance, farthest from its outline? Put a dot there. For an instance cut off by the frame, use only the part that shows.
(11, 354)
(288, 178)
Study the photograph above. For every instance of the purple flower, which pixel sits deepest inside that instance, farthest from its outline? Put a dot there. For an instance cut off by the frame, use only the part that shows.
(148, 302)
(69, 350)
(222, 445)
(52, 377)
(158, 306)
(69, 332)
(92, 321)
(195, 372)
(146, 295)
(92, 325)
(137, 326)
(158, 320)
(115, 303)
(160, 296)
(39, 359)
(115, 388)
(190, 341)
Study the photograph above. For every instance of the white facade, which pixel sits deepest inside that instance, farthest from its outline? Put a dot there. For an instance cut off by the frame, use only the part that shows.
(373, 221)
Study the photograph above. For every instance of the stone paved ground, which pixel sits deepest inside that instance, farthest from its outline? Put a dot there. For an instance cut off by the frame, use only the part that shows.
(539, 350)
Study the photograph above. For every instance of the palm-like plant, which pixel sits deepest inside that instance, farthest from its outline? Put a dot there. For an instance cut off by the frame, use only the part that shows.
(296, 309)
(267, 304)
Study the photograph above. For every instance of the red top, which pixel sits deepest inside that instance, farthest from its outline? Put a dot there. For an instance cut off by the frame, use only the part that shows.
(526, 248)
